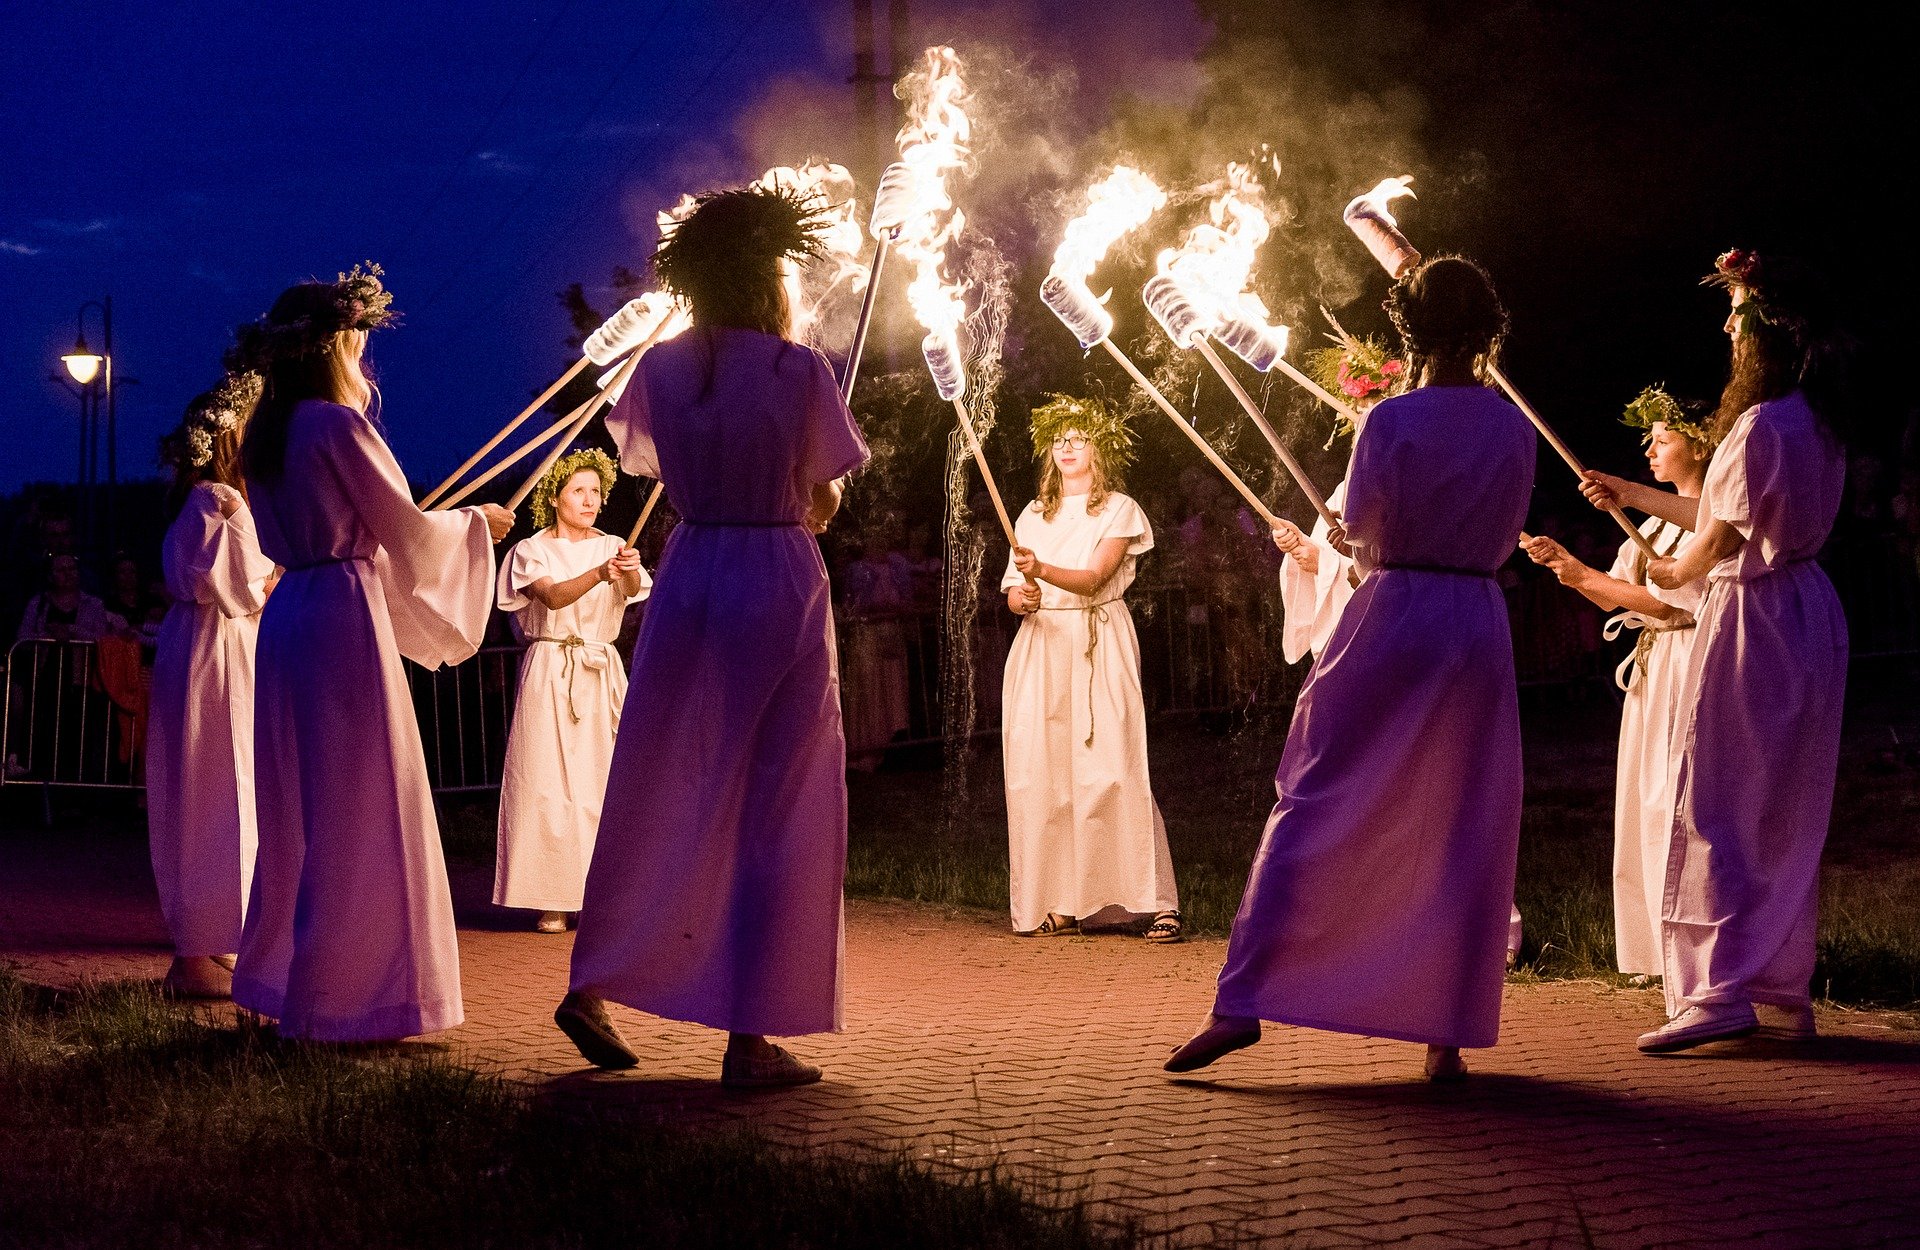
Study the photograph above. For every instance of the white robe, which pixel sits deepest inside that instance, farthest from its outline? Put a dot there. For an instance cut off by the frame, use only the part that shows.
(564, 720)
(1373, 906)
(1083, 831)
(1643, 781)
(1311, 603)
(1756, 753)
(200, 819)
(715, 892)
(350, 932)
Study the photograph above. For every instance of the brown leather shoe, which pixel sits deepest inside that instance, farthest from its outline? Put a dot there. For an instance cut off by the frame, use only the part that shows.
(771, 1067)
(584, 1019)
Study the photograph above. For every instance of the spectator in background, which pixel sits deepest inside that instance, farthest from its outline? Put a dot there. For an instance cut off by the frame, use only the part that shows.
(65, 613)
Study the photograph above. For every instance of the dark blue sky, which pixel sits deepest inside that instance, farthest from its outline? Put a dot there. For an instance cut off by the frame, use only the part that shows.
(192, 159)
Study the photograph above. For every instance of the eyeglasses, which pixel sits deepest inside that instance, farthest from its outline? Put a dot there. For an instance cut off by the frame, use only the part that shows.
(1076, 441)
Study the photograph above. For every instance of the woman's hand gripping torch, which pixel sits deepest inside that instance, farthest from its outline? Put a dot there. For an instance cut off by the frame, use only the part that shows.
(1373, 222)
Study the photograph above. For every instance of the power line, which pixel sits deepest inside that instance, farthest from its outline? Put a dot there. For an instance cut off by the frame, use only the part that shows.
(539, 179)
(473, 145)
(594, 203)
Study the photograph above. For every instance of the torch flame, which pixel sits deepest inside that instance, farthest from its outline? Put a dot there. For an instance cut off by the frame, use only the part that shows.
(933, 144)
(1214, 265)
(1376, 200)
(1116, 205)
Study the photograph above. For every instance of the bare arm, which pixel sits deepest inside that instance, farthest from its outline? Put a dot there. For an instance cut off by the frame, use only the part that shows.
(622, 569)
(1604, 489)
(1609, 592)
(1716, 541)
(824, 502)
(1106, 562)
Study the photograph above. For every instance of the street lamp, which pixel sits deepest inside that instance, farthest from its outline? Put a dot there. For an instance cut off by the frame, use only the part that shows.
(81, 362)
(93, 371)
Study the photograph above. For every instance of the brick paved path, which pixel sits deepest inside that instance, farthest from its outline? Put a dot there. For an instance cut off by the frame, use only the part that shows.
(971, 1046)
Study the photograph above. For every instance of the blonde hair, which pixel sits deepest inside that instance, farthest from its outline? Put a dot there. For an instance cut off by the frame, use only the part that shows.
(1052, 485)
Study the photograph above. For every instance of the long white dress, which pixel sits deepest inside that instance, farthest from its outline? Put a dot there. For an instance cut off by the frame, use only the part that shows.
(1643, 781)
(200, 818)
(1311, 603)
(1373, 906)
(1083, 831)
(564, 721)
(1757, 751)
(715, 892)
(350, 931)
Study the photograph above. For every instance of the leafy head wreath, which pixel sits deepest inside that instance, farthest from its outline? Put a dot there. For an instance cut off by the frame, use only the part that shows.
(1362, 369)
(222, 410)
(356, 300)
(549, 487)
(734, 237)
(1100, 421)
(1655, 405)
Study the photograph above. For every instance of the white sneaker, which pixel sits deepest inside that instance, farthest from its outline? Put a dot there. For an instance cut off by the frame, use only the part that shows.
(1787, 1024)
(1696, 1026)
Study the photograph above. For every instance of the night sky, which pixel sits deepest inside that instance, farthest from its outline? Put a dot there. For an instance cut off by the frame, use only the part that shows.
(194, 159)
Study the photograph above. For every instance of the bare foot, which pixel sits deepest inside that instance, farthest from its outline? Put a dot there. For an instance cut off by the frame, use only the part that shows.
(1220, 1035)
(198, 976)
(1444, 1064)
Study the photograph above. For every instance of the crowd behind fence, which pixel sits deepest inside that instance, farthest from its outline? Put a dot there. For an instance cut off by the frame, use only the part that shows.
(74, 713)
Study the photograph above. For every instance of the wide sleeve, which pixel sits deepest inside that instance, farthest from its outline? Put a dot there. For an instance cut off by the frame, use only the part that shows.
(630, 422)
(216, 559)
(1311, 603)
(1724, 496)
(526, 564)
(1123, 517)
(1370, 485)
(834, 445)
(436, 568)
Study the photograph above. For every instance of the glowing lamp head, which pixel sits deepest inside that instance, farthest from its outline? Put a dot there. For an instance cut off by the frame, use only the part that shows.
(1370, 218)
(1177, 314)
(1077, 307)
(893, 202)
(83, 364)
(944, 363)
(1253, 340)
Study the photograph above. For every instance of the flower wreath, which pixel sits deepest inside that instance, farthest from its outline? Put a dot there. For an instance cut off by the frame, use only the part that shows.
(1361, 369)
(222, 410)
(540, 503)
(1739, 269)
(1655, 405)
(359, 302)
(1103, 425)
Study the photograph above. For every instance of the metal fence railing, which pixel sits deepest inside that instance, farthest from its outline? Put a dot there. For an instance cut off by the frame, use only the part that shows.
(74, 714)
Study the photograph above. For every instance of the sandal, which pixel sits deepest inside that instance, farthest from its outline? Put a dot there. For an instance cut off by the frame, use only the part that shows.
(1165, 928)
(1055, 925)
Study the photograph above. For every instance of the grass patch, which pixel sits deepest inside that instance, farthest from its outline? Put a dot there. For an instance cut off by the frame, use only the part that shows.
(126, 1120)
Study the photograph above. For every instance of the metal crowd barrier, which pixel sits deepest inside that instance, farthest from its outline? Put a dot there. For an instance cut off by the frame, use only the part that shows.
(59, 724)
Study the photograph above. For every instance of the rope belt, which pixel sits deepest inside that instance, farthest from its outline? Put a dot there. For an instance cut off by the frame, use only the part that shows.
(1650, 630)
(1448, 569)
(1096, 613)
(568, 646)
(315, 564)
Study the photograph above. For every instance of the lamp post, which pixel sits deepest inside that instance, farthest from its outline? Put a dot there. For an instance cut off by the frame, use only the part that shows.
(93, 372)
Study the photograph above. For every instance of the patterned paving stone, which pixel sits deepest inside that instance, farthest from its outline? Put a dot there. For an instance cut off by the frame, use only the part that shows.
(967, 1046)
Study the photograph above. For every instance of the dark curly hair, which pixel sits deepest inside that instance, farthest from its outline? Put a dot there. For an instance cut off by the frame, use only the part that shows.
(724, 258)
(1788, 339)
(1447, 310)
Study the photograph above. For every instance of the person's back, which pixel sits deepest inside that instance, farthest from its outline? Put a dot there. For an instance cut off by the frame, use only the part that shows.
(1441, 478)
